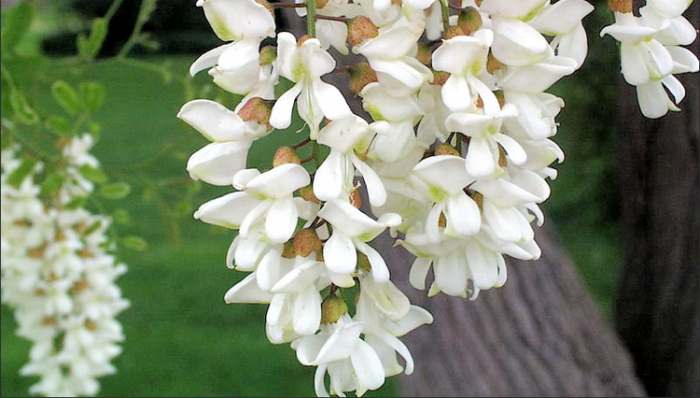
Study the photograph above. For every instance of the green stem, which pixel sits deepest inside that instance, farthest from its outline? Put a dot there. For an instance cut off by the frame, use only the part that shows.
(145, 11)
(316, 154)
(445, 8)
(311, 18)
(113, 9)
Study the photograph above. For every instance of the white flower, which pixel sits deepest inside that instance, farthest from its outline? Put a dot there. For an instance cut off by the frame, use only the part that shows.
(231, 138)
(304, 64)
(443, 178)
(266, 198)
(464, 57)
(562, 20)
(334, 178)
(351, 230)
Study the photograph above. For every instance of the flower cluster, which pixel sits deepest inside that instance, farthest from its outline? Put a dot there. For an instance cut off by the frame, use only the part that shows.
(59, 277)
(651, 51)
(453, 150)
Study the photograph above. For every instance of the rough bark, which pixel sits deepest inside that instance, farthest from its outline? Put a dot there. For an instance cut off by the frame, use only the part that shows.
(658, 303)
(540, 335)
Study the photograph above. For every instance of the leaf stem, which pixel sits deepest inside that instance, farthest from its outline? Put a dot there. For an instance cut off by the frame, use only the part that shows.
(311, 18)
(445, 8)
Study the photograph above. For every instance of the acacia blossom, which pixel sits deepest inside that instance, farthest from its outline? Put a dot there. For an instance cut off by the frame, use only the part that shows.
(58, 274)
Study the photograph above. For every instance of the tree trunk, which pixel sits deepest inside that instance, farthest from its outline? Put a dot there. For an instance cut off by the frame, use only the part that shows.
(658, 303)
(540, 335)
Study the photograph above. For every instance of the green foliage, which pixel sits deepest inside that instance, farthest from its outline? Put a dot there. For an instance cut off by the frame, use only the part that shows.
(67, 97)
(18, 176)
(15, 25)
(22, 110)
(135, 243)
(89, 46)
(93, 174)
(115, 190)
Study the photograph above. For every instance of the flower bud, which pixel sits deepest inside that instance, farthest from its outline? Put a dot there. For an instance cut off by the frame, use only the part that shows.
(306, 242)
(256, 110)
(361, 29)
(332, 309)
(267, 5)
(285, 155)
(268, 55)
(302, 39)
(424, 55)
(356, 198)
(623, 6)
(321, 3)
(288, 250)
(454, 31)
(502, 159)
(493, 65)
(307, 193)
(360, 76)
(469, 20)
(478, 198)
(446, 149)
(440, 77)
(442, 221)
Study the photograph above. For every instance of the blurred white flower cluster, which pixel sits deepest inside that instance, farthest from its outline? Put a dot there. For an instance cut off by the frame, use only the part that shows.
(651, 51)
(454, 151)
(59, 277)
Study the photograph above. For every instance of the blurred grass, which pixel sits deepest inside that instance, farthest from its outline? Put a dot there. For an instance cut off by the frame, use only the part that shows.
(181, 338)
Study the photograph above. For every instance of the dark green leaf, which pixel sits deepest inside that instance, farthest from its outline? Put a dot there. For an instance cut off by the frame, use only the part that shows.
(67, 97)
(115, 190)
(20, 173)
(93, 174)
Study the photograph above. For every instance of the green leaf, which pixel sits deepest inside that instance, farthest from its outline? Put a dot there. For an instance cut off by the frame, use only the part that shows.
(76, 203)
(67, 97)
(92, 228)
(51, 184)
(89, 47)
(115, 190)
(93, 95)
(93, 174)
(25, 168)
(21, 108)
(15, 26)
(135, 243)
(58, 124)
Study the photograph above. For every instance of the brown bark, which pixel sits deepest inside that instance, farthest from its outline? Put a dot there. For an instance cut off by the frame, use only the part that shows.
(540, 335)
(658, 302)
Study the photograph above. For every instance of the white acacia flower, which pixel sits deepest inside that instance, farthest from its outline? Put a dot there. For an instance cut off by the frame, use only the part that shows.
(485, 132)
(304, 64)
(352, 229)
(443, 178)
(462, 267)
(266, 198)
(562, 21)
(334, 179)
(391, 56)
(464, 57)
(331, 33)
(235, 66)
(231, 138)
(352, 364)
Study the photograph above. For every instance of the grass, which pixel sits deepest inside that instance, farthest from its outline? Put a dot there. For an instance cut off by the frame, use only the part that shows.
(181, 338)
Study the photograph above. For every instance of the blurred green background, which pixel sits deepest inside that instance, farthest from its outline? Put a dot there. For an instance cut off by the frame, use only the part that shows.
(181, 337)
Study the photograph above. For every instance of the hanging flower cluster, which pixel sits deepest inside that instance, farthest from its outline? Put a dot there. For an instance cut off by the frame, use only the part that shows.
(453, 151)
(59, 277)
(651, 52)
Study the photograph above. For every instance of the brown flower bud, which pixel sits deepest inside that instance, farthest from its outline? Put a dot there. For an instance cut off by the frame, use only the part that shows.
(361, 75)
(424, 55)
(442, 221)
(321, 3)
(332, 309)
(306, 242)
(623, 6)
(356, 198)
(469, 20)
(454, 31)
(307, 193)
(446, 149)
(288, 250)
(256, 110)
(268, 55)
(493, 65)
(285, 155)
(361, 29)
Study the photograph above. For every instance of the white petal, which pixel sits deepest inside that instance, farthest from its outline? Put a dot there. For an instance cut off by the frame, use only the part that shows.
(227, 211)
(480, 161)
(281, 220)
(339, 253)
(281, 116)
(463, 216)
(307, 312)
(419, 272)
(208, 59)
(368, 368)
(247, 292)
(217, 163)
(330, 100)
(375, 187)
